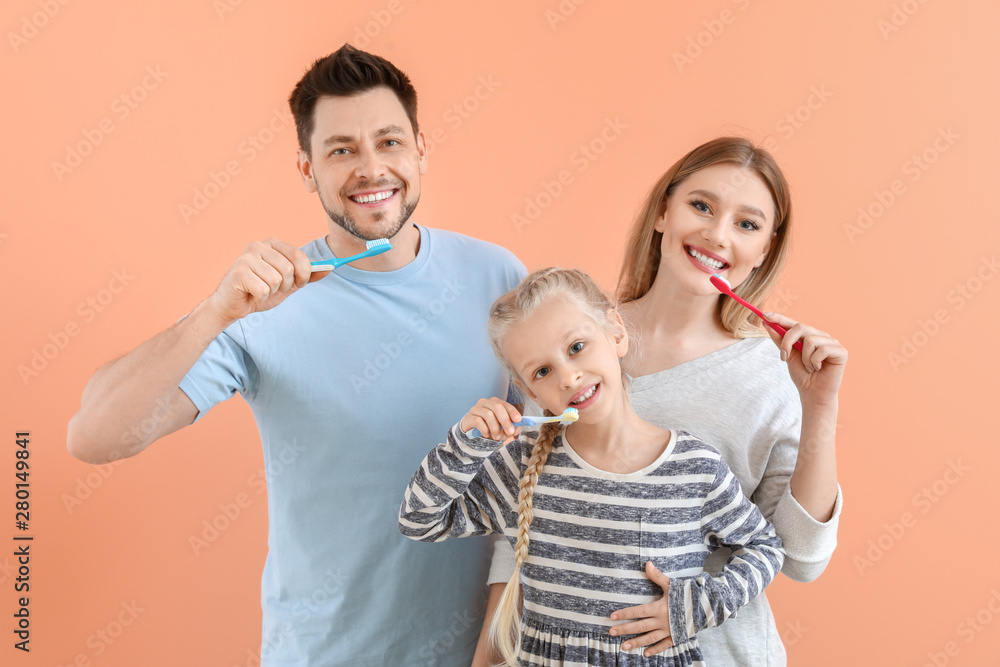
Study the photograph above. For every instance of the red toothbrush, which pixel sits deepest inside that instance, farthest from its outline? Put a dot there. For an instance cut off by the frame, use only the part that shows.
(723, 286)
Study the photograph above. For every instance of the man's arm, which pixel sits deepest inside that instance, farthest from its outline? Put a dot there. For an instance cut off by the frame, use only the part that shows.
(131, 402)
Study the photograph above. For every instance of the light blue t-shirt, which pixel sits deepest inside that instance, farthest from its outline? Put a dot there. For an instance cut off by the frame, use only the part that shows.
(352, 380)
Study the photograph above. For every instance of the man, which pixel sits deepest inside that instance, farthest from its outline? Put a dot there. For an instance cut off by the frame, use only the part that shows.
(352, 376)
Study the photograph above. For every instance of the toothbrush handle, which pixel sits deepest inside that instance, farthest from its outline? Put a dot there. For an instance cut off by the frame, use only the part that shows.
(774, 325)
(781, 332)
(475, 433)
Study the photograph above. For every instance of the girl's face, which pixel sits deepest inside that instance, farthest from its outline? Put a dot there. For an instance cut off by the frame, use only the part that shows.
(566, 360)
(718, 220)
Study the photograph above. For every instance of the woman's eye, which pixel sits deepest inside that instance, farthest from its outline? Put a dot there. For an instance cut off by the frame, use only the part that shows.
(749, 225)
(576, 347)
(700, 205)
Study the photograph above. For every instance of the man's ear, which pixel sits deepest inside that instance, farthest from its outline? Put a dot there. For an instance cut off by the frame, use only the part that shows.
(305, 171)
(422, 152)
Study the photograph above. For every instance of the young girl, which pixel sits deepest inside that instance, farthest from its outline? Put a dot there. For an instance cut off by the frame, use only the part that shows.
(593, 509)
(703, 363)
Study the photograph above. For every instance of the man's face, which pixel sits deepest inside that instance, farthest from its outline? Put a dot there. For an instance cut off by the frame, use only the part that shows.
(365, 163)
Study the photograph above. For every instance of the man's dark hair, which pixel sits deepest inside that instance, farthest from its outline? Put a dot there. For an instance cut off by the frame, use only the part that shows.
(347, 71)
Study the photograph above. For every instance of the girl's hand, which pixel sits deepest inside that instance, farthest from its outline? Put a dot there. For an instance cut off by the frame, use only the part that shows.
(494, 418)
(654, 619)
(819, 368)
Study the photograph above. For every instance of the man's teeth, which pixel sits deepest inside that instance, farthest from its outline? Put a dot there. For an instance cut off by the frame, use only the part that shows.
(377, 196)
(707, 261)
(585, 396)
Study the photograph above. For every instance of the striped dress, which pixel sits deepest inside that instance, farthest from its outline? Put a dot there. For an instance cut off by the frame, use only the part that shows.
(592, 533)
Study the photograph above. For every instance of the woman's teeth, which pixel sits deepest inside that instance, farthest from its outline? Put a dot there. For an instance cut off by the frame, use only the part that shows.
(583, 398)
(707, 261)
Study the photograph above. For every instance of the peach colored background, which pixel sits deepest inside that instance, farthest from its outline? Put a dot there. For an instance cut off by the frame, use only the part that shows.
(885, 80)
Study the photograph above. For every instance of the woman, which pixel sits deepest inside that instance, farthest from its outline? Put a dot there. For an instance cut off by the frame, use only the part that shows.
(703, 364)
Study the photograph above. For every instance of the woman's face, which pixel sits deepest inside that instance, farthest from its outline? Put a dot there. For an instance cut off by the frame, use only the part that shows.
(718, 220)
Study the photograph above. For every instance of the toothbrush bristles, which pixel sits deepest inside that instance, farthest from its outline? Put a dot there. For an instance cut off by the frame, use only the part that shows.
(376, 242)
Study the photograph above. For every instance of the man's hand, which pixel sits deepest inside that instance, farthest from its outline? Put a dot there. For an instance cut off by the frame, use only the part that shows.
(263, 276)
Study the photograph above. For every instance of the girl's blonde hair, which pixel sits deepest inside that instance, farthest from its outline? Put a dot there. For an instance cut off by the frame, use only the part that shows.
(642, 252)
(515, 306)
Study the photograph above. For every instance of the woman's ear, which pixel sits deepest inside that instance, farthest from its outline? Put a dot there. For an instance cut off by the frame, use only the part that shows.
(767, 249)
(620, 336)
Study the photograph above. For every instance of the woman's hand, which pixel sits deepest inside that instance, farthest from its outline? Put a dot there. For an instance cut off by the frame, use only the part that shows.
(494, 418)
(654, 619)
(819, 368)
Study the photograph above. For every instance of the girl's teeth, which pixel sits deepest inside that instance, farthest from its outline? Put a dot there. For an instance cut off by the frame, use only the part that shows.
(585, 396)
(707, 261)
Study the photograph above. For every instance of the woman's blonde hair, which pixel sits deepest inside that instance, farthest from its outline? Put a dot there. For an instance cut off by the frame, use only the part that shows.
(580, 289)
(642, 252)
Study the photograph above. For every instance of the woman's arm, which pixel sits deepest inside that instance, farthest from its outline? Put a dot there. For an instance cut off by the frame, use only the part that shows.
(817, 373)
(804, 504)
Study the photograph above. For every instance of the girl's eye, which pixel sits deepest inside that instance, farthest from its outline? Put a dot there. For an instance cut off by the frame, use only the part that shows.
(700, 205)
(749, 225)
(576, 347)
(541, 372)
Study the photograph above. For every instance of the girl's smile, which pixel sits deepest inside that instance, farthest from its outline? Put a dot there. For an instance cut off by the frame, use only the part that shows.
(563, 358)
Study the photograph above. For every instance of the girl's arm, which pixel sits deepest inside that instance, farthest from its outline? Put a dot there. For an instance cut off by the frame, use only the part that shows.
(457, 492)
(728, 519)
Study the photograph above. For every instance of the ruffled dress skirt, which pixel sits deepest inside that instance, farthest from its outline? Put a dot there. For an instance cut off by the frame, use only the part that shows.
(543, 644)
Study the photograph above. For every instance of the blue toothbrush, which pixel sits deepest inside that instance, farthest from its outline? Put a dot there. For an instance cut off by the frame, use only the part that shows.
(376, 247)
(568, 415)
